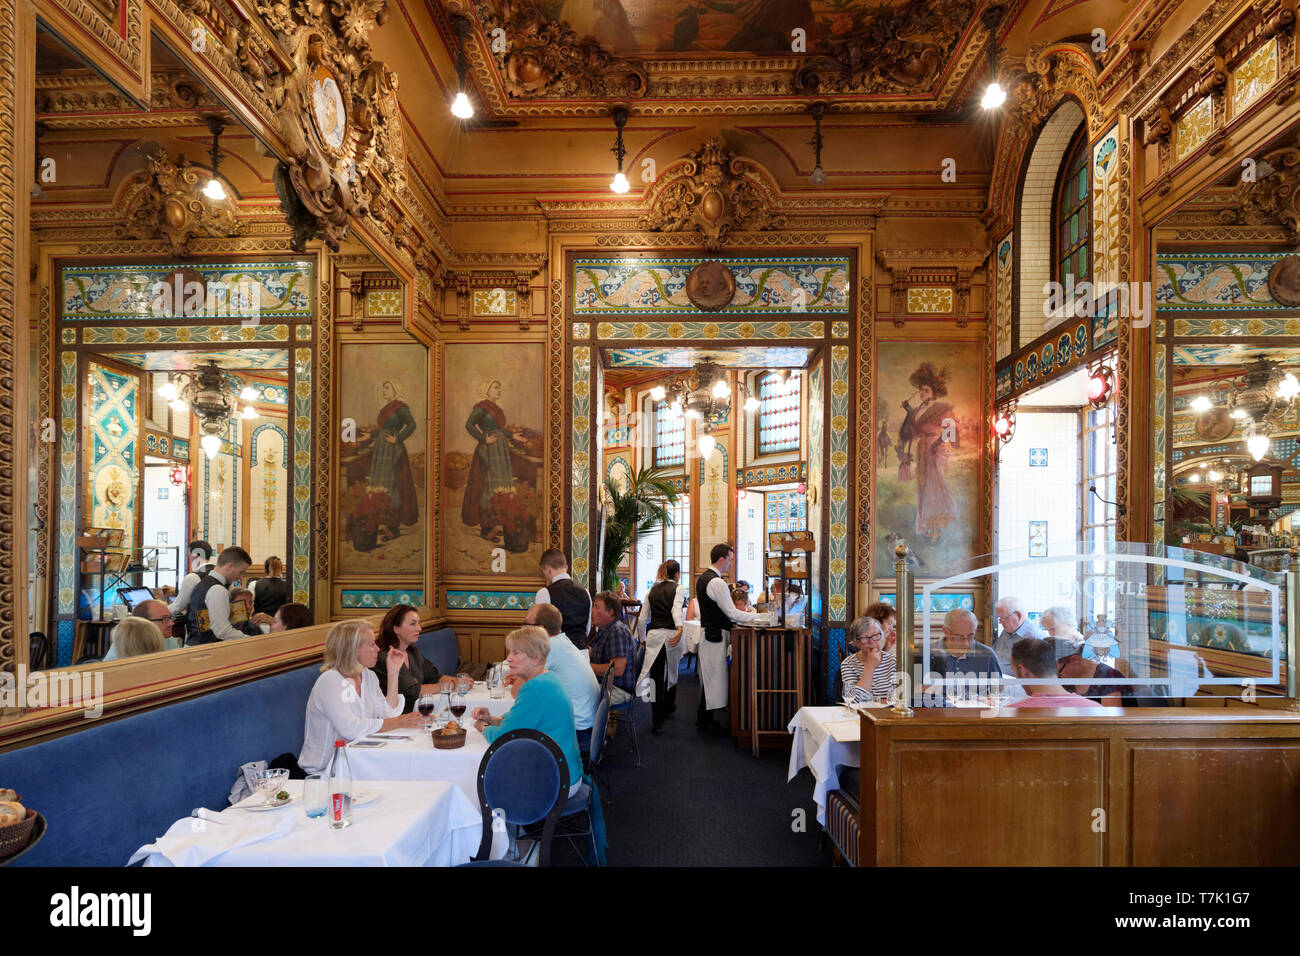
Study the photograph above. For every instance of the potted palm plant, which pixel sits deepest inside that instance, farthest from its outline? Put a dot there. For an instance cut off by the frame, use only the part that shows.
(639, 507)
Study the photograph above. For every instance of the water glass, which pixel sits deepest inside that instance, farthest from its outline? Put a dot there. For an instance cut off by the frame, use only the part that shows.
(315, 795)
(496, 683)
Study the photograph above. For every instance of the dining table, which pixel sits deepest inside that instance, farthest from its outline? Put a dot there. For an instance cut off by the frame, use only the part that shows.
(814, 745)
(394, 823)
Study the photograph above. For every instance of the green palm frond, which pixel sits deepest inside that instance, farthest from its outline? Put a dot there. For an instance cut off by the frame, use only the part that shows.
(639, 508)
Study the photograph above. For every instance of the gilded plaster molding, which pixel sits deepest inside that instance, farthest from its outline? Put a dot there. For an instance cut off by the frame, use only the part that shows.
(172, 205)
(12, 88)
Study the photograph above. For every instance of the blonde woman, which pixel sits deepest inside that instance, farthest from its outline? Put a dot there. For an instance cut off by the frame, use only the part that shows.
(135, 636)
(346, 702)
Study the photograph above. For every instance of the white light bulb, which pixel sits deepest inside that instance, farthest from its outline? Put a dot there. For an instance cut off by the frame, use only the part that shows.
(620, 184)
(169, 392)
(1214, 476)
(692, 413)
(993, 96)
(720, 388)
(461, 107)
(818, 177)
(250, 411)
(214, 189)
(751, 404)
(177, 405)
(1194, 478)
(211, 445)
(249, 394)
(1201, 404)
(1237, 413)
(658, 393)
(1288, 388)
(1258, 445)
(707, 444)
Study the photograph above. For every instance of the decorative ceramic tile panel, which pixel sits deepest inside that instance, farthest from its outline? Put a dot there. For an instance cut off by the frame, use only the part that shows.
(273, 291)
(1038, 539)
(495, 302)
(69, 336)
(838, 550)
(1193, 128)
(1260, 326)
(816, 476)
(177, 360)
(658, 286)
(68, 454)
(579, 530)
(302, 333)
(1208, 281)
(1003, 383)
(775, 474)
(939, 603)
(355, 598)
(1254, 76)
(1158, 444)
(197, 334)
(840, 330)
(775, 356)
(1038, 458)
(923, 299)
(581, 330)
(384, 303)
(710, 330)
(1002, 296)
(112, 459)
(1106, 205)
(302, 427)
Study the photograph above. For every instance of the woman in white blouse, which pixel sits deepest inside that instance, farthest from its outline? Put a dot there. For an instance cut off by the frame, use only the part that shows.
(346, 702)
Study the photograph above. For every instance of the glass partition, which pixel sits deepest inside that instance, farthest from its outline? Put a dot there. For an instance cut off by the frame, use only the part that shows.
(1130, 625)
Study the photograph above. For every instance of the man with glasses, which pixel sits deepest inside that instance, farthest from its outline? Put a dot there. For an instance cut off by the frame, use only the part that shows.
(962, 655)
(158, 613)
(1015, 626)
(861, 674)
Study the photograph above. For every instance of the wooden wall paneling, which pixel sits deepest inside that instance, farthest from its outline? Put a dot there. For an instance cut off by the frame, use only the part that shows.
(118, 47)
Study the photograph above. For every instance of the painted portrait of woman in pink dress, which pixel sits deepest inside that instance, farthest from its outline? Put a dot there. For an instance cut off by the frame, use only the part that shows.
(923, 452)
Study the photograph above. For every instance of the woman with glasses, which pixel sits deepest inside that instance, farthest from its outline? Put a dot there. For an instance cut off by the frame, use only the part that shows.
(858, 671)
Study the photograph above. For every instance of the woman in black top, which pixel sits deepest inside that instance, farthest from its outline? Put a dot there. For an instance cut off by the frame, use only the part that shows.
(401, 629)
(271, 592)
(1095, 677)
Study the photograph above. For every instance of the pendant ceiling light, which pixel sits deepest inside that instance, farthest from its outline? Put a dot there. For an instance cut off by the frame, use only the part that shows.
(214, 189)
(213, 401)
(461, 107)
(1258, 399)
(994, 95)
(619, 184)
(818, 177)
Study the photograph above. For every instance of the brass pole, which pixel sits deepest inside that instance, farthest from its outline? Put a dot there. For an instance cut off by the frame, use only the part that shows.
(903, 646)
(1293, 630)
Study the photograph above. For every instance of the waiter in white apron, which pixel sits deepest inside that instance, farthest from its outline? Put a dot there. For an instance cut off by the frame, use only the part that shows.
(717, 614)
(661, 623)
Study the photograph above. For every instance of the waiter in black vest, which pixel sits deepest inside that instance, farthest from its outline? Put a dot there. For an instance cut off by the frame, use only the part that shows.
(717, 614)
(561, 590)
(209, 613)
(661, 616)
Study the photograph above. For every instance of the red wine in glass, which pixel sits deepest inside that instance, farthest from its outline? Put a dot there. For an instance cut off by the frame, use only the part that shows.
(425, 708)
(458, 710)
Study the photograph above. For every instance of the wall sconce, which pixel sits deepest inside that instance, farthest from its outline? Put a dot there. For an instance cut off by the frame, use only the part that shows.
(1101, 386)
(1004, 423)
(620, 183)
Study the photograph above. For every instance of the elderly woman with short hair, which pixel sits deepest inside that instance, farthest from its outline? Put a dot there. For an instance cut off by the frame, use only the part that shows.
(135, 636)
(346, 701)
(858, 671)
(541, 702)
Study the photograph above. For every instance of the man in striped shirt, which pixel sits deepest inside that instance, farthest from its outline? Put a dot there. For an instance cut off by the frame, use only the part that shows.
(866, 675)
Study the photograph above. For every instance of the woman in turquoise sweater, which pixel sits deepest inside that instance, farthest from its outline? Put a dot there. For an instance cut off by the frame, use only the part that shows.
(541, 702)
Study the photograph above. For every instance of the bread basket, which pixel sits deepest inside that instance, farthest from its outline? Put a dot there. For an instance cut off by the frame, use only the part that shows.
(443, 741)
(14, 836)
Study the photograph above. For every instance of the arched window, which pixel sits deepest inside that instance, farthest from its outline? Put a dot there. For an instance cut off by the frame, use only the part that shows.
(778, 413)
(1072, 214)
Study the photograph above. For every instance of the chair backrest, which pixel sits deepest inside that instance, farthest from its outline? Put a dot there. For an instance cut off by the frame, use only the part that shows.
(523, 778)
(598, 725)
(606, 682)
(38, 650)
(640, 660)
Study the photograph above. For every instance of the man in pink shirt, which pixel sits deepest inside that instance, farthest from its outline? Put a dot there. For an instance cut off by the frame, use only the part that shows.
(1032, 657)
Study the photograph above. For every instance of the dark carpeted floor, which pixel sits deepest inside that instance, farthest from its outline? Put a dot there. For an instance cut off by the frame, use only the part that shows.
(700, 800)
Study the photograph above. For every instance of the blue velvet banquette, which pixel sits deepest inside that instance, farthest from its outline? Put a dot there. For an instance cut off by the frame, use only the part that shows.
(110, 789)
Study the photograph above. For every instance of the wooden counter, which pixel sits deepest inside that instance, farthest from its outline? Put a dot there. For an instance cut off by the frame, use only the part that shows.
(770, 678)
(1128, 787)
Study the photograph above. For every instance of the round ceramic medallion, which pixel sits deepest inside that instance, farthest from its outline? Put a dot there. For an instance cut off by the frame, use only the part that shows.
(327, 108)
(1284, 281)
(710, 286)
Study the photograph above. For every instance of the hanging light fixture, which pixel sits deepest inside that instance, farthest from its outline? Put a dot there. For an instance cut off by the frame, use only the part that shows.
(205, 391)
(818, 177)
(707, 445)
(1258, 398)
(461, 107)
(214, 190)
(619, 184)
(658, 393)
(1257, 441)
(994, 95)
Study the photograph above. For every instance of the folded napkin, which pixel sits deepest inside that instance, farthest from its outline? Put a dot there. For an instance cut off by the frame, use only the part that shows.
(196, 842)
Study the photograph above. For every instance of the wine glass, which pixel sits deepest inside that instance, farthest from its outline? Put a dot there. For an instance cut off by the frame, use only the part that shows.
(425, 706)
(457, 704)
(269, 783)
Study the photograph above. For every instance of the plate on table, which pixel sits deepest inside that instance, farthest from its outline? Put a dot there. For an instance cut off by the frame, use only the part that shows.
(275, 805)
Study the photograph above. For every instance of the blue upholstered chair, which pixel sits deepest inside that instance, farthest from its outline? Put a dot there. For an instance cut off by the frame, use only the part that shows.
(624, 710)
(522, 780)
(596, 749)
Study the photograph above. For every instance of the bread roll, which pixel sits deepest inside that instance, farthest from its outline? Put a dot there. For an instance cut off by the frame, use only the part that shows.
(8, 796)
(11, 812)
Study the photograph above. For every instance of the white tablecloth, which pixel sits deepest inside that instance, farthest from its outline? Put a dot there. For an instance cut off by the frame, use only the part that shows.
(410, 824)
(692, 634)
(814, 748)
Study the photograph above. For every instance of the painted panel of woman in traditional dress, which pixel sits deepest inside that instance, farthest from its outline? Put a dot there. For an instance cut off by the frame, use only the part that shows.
(489, 469)
(931, 499)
